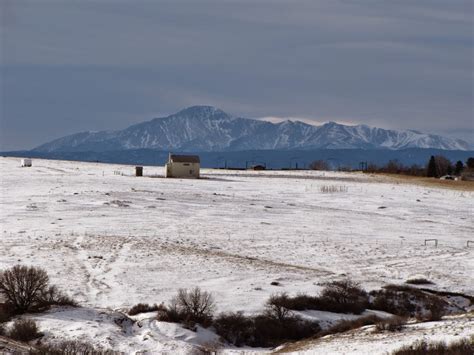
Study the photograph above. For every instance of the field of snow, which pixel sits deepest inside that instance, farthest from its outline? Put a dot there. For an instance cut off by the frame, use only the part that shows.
(111, 240)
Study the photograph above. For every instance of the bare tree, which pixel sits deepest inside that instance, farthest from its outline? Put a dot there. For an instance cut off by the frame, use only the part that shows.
(22, 286)
(196, 305)
(275, 307)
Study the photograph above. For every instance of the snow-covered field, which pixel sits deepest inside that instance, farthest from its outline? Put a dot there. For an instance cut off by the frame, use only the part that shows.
(111, 240)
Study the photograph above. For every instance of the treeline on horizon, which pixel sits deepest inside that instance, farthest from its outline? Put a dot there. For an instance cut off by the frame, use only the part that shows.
(436, 167)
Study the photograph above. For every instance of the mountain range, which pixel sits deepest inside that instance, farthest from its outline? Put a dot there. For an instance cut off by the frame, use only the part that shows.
(209, 129)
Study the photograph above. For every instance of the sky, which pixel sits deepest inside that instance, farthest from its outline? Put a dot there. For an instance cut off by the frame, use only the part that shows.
(68, 66)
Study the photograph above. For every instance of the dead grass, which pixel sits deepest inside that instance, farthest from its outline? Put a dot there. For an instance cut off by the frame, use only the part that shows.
(458, 185)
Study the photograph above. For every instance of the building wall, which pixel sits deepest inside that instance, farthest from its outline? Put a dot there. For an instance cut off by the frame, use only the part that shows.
(183, 170)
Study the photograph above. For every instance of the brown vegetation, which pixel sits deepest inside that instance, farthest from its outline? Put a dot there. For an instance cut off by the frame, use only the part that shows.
(27, 289)
(461, 347)
(24, 330)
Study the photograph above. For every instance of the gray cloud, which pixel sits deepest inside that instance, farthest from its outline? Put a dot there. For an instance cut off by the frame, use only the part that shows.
(80, 65)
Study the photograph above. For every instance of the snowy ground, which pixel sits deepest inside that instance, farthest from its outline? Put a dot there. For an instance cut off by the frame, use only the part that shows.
(367, 341)
(111, 239)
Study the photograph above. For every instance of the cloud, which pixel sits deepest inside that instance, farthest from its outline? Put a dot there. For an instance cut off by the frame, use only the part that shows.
(83, 65)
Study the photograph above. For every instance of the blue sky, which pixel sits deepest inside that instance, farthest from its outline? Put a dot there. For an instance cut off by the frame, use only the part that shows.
(69, 66)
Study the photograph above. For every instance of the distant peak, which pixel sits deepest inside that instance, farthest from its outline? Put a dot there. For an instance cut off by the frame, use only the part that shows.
(201, 110)
(332, 124)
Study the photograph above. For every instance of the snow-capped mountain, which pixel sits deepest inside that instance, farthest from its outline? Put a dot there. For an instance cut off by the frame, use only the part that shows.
(206, 128)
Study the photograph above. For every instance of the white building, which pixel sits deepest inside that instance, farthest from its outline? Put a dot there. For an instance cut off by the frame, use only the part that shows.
(25, 162)
(183, 166)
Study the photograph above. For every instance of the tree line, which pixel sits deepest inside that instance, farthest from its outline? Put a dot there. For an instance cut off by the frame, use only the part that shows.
(436, 167)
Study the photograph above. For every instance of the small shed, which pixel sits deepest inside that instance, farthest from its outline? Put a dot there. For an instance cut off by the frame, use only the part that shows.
(25, 162)
(258, 167)
(183, 166)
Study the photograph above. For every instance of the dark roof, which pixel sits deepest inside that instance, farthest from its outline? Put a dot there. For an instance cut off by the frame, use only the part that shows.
(184, 158)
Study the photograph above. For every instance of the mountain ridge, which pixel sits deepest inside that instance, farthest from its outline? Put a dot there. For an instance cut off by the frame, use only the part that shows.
(207, 128)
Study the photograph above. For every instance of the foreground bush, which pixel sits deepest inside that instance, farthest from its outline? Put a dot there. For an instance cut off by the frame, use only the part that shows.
(408, 301)
(345, 296)
(144, 308)
(339, 297)
(419, 281)
(69, 347)
(27, 289)
(24, 330)
(22, 286)
(189, 307)
(264, 330)
(235, 328)
(461, 347)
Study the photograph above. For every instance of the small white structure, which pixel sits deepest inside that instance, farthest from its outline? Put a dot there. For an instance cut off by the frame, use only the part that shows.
(183, 166)
(448, 177)
(25, 162)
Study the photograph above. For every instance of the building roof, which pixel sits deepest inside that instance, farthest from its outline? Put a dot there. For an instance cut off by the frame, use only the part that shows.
(184, 158)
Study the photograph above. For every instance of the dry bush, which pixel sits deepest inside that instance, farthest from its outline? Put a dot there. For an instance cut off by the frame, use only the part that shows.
(329, 189)
(189, 307)
(461, 347)
(22, 286)
(52, 296)
(406, 301)
(27, 289)
(276, 307)
(24, 330)
(235, 328)
(339, 297)
(419, 281)
(345, 296)
(144, 308)
(393, 324)
(269, 331)
(70, 347)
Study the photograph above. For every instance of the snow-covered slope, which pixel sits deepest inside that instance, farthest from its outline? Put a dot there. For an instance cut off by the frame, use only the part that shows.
(206, 128)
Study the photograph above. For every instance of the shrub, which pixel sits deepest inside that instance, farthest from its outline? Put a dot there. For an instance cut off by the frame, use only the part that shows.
(338, 297)
(24, 330)
(276, 307)
(170, 314)
(270, 331)
(274, 326)
(235, 328)
(6, 312)
(27, 289)
(189, 307)
(345, 296)
(144, 308)
(464, 346)
(22, 286)
(2, 329)
(52, 296)
(406, 301)
(419, 281)
(393, 324)
(69, 347)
